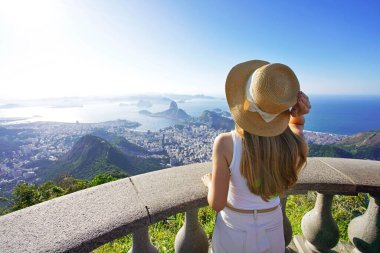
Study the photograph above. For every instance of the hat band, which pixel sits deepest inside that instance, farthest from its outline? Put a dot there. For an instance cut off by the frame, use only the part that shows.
(251, 103)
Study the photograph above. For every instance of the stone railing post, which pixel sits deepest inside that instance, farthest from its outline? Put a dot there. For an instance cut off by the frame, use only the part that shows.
(364, 231)
(318, 226)
(288, 231)
(191, 237)
(141, 242)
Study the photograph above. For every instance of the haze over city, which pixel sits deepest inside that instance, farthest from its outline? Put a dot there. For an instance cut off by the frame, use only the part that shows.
(106, 48)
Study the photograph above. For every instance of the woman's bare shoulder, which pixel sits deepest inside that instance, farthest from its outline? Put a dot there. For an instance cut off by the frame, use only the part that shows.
(224, 139)
(223, 145)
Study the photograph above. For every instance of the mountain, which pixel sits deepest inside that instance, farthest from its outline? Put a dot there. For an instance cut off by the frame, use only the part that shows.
(173, 113)
(92, 155)
(145, 112)
(371, 138)
(129, 148)
(121, 143)
(328, 150)
(104, 134)
(216, 119)
(365, 145)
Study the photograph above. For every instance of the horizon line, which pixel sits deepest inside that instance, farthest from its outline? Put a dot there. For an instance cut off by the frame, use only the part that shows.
(163, 94)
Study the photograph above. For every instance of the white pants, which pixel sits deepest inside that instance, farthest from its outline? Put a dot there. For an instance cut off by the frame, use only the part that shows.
(236, 232)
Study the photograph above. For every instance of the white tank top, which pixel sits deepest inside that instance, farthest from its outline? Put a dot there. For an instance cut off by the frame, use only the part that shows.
(239, 195)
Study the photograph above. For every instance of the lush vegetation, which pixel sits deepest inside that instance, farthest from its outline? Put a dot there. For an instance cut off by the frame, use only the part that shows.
(316, 150)
(345, 151)
(27, 194)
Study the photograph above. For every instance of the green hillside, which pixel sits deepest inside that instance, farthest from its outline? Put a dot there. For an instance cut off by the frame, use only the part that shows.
(128, 147)
(92, 155)
(370, 138)
(318, 150)
(364, 145)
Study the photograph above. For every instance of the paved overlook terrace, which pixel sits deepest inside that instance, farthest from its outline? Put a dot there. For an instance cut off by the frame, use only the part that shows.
(85, 220)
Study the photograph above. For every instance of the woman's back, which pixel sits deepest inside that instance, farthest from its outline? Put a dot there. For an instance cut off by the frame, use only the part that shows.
(239, 195)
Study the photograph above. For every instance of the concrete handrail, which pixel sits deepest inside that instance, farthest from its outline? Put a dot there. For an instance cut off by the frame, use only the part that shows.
(84, 220)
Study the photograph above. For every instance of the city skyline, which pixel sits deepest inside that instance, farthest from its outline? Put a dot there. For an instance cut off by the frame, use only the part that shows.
(102, 48)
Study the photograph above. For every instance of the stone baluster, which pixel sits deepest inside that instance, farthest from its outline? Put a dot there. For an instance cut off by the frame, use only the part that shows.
(318, 226)
(191, 237)
(288, 231)
(141, 242)
(364, 231)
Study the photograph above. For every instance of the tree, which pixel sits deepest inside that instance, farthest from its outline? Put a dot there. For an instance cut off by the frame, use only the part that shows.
(25, 195)
(101, 179)
(4, 210)
(71, 184)
(49, 190)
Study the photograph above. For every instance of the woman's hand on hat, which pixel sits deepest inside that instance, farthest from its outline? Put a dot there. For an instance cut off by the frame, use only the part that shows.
(206, 179)
(302, 107)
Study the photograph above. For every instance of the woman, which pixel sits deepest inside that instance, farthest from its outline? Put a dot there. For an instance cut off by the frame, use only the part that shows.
(258, 161)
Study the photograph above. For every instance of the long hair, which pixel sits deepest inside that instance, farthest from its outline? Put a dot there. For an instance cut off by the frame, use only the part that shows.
(271, 164)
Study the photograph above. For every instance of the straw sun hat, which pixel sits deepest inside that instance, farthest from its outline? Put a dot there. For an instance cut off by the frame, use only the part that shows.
(260, 94)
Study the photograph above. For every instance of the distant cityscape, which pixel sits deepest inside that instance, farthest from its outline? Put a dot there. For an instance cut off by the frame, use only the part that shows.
(323, 138)
(183, 144)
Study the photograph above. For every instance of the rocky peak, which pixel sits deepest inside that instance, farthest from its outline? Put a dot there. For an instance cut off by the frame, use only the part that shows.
(173, 106)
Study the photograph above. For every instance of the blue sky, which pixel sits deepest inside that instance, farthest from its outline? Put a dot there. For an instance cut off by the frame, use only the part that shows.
(93, 48)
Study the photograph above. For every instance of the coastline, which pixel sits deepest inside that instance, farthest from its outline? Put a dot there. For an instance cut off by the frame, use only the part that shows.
(339, 115)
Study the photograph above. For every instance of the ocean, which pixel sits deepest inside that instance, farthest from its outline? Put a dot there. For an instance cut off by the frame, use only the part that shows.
(331, 114)
(344, 114)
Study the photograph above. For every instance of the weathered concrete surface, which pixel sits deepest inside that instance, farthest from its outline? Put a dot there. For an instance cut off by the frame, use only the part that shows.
(174, 191)
(78, 222)
(364, 174)
(319, 176)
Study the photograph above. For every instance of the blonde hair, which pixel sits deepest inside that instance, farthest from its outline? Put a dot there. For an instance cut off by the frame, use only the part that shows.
(271, 164)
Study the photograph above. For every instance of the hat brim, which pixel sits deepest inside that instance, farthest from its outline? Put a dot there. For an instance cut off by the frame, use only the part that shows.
(235, 94)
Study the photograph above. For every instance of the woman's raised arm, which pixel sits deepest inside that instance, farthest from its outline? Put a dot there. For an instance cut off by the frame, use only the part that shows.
(297, 120)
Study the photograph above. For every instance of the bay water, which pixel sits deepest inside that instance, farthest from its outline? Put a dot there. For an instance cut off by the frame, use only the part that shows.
(331, 114)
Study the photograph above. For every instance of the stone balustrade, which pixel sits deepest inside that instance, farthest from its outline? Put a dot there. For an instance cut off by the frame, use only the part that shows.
(85, 220)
